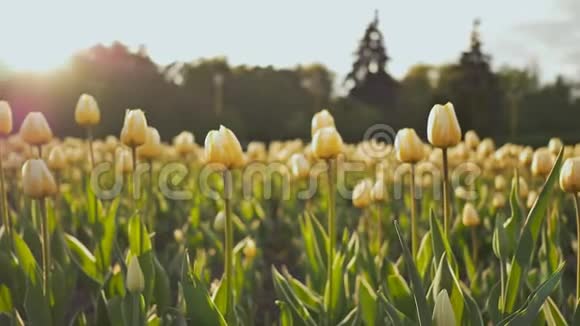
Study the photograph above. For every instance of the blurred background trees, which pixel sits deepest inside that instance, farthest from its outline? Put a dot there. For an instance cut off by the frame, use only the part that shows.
(268, 103)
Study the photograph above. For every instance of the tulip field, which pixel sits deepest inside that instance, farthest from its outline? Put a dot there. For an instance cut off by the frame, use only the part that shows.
(126, 229)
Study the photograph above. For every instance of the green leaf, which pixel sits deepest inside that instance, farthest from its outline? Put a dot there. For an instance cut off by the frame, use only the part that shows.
(285, 314)
(109, 235)
(219, 297)
(115, 311)
(334, 304)
(401, 294)
(284, 290)
(529, 236)
(137, 231)
(425, 255)
(367, 302)
(161, 290)
(200, 310)
(440, 243)
(395, 316)
(6, 305)
(500, 241)
(83, 258)
(422, 308)
(311, 299)
(527, 314)
(26, 259)
(37, 306)
(473, 314)
(552, 314)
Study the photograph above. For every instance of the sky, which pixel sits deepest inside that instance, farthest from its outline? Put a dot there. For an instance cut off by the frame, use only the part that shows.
(41, 35)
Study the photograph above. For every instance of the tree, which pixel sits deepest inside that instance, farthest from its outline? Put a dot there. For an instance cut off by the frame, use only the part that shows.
(368, 80)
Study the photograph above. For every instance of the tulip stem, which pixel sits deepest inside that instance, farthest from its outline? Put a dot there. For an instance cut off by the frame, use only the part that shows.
(445, 192)
(135, 194)
(502, 285)
(331, 232)
(577, 206)
(379, 225)
(414, 236)
(229, 239)
(101, 266)
(5, 212)
(45, 243)
(474, 245)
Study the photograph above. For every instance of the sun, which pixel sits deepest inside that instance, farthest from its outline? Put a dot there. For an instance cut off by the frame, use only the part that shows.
(35, 62)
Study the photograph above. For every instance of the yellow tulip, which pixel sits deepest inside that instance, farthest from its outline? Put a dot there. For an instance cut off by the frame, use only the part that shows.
(87, 111)
(327, 143)
(5, 118)
(361, 195)
(134, 132)
(37, 181)
(570, 175)
(443, 129)
(151, 148)
(471, 139)
(299, 165)
(222, 147)
(408, 146)
(321, 120)
(470, 217)
(35, 129)
(542, 162)
(56, 159)
(184, 143)
(250, 249)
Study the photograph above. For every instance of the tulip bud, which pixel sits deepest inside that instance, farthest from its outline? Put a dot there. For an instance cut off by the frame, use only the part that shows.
(531, 200)
(470, 216)
(499, 182)
(135, 279)
(442, 126)
(256, 151)
(526, 156)
(35, 129)
(178, 235)
(87, 111)
(56, 159)
(152, 146)
(250, 249)
(523, 187)
(408, 146)
(321, 120)
(134, 132)
(219, 223)
(471, 139)
(462, 193)
(443, 314)
(5, 118)
(37, 181)
(570, 175)
(498, 200)
(555, 145)
(361, 195)
(379, 191)
(299, 165)
(123, 161)
(222, 147)
(184, 143)
(327, 143)
(542, 162)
